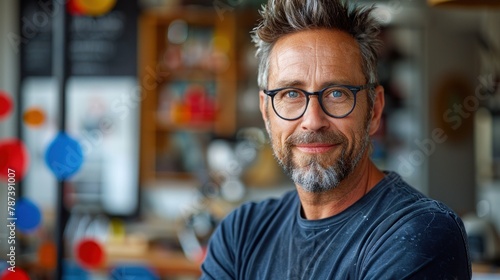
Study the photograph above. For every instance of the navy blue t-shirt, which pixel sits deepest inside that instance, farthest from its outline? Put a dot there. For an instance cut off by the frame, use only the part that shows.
(393, 232)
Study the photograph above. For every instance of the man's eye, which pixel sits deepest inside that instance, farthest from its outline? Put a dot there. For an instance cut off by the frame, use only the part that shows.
(337, 94)
(292, 94)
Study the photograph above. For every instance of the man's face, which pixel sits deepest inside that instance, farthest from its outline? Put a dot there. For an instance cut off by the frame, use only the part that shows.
(318, 151)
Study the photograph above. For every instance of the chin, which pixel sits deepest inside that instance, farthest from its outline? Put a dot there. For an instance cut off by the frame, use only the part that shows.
(316, 179)
(317, 188)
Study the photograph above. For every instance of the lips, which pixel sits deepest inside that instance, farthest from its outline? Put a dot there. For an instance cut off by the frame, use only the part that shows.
(315, 148)
(315, 143)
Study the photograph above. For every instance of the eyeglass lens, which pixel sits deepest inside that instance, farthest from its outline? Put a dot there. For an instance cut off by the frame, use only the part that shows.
(292, 103)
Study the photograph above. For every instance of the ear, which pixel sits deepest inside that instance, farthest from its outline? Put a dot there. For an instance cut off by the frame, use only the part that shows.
(378, 109)
(262, 106)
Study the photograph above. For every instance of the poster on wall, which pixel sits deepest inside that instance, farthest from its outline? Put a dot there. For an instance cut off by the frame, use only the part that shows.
(104, 45)
(102, 113)
(103, 116)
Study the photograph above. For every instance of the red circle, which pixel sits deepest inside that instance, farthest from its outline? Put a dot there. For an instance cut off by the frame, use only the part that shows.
(89, 253)
(14, 160)
(18, 274)
(5, 105)
(73, 8)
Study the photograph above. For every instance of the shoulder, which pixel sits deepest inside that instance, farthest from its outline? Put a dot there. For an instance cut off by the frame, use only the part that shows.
(406, 209)
(425, 244)
(396, 197)
(418, 232)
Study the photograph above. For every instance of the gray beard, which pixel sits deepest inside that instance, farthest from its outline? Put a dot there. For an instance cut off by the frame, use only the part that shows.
(317, 179)
(314, 177)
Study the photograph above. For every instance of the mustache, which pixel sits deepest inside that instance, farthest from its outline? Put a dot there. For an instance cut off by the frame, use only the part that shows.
(328, 137)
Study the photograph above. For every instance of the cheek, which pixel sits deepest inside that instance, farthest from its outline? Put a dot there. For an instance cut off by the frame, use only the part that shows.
(354, 132)
(358, 121)
(278, 128)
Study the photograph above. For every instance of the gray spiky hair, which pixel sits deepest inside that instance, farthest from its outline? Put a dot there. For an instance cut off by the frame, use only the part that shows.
(282, 17)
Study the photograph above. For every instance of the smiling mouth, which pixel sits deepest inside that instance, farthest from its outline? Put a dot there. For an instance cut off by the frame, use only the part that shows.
(315, 148)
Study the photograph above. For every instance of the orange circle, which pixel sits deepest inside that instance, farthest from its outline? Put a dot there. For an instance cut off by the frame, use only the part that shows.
(89, 253)
(95, 7)
(47, 255)
(34, 116)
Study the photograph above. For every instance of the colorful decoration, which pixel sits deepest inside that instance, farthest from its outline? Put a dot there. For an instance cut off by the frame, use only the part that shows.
(18, 274)
(133, 272)
(197, 107)
(89, 253)
(200, 105)
(34, 117)
(14, 158)
(73, 271)
(5, 105)
(47, 255)
(64, 156)
(28, 215)
(90, 7)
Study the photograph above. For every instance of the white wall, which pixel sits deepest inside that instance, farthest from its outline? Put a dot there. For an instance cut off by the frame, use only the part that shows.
(452, 50)
(8, 58)
(8, 82)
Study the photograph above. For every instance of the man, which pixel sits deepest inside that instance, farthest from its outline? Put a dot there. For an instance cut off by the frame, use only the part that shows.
(346, 219)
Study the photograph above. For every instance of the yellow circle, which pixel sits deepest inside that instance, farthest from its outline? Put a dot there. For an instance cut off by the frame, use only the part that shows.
(95, 7)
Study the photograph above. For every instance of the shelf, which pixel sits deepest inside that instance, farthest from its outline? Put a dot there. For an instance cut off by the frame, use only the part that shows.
(196, 76)
(192, 127)
(170, 175)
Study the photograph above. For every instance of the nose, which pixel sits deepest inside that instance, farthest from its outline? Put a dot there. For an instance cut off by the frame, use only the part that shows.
(314, 119)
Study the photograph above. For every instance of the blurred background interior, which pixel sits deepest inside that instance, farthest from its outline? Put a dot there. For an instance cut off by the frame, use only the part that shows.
(158, 134)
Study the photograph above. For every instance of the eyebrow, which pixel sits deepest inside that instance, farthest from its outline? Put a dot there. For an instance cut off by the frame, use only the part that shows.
(300, 84)
(290, 83)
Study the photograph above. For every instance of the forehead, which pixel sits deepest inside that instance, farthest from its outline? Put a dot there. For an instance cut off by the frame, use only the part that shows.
(317, 56)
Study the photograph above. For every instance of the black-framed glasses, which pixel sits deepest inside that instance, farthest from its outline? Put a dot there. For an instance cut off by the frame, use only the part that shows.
(337, 101)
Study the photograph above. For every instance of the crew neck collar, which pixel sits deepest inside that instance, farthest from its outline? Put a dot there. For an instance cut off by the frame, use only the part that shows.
(388, 179)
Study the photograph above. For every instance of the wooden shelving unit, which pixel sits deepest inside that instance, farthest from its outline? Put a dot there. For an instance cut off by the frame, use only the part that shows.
(201, 61)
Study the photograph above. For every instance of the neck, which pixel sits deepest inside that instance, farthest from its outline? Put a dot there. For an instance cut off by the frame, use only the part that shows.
(326, 204)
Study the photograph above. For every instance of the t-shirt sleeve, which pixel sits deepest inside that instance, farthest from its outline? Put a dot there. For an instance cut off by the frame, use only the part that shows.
(219, 263)
(427, 246)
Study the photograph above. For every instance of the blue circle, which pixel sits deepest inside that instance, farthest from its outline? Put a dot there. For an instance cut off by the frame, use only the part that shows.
(133, 272)
(28, 215)
(64, 156)
(72, 271)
